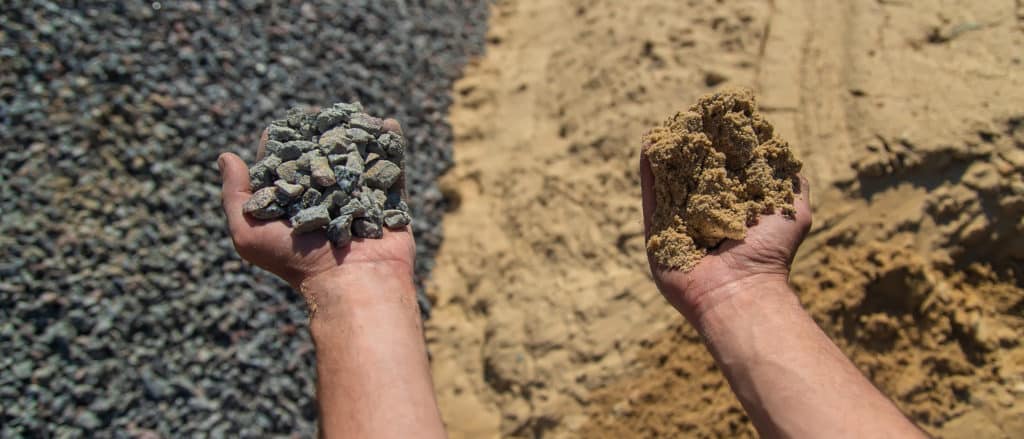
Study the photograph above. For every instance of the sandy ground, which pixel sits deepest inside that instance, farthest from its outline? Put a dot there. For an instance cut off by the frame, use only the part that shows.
(909, 119)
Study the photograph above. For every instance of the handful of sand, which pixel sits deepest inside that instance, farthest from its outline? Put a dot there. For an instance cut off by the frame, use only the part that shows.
(716, 168)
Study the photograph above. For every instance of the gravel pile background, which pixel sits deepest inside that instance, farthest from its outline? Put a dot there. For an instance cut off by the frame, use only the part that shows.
(123, 307)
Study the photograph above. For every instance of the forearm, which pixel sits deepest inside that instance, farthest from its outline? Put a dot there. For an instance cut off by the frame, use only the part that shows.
(373, 375)
(790, 377)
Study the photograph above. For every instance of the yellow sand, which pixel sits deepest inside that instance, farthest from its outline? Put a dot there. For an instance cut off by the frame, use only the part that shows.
(716, 168)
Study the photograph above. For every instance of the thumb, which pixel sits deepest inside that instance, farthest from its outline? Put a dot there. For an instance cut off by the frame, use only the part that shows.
(235, 189)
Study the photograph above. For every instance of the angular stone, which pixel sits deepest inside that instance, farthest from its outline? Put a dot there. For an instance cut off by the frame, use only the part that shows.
(353, 208)
(271, 211)
(346, 178)
(260, 176)
(367, 228)
(303, 145)
(260, 199)
(287, 191)
(285, 151)
(379, 197)
(295, 116)
(395, 219)
(281, 134)
(330, 118)
(334, 197)
(339, 231)
(310, 198)
(368, 123)
(358, 135)
(355, 162)
(321, 171)
(289, 171)
(270, 161)
(371, 158)
(337, 159)
(393, 145)
(335, 138)
(382, 175)
(309, 219)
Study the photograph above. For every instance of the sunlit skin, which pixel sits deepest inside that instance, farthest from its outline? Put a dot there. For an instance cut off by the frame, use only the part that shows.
(373, 379)
(789, 376)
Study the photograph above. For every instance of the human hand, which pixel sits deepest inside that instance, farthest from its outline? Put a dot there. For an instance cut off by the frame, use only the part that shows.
(762, 257)
(300, 258)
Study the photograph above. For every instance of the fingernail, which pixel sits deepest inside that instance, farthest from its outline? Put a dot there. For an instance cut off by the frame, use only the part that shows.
(220, 162)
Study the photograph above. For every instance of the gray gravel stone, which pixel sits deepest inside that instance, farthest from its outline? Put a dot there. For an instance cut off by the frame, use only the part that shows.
(367, 228)
(321, 171)
(382, 175)
(285, 151)
(260, 199)
(396, 219)
(310, 219)
(126, 107)
(339, 231)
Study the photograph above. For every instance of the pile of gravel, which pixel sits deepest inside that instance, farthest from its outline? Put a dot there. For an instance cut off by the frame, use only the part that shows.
(123, 306)
(336, 170)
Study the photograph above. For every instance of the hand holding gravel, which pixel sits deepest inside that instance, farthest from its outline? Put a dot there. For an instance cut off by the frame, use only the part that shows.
(322, 180)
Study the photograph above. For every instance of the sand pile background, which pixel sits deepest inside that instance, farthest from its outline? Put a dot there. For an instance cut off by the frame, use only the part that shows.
(909, 121)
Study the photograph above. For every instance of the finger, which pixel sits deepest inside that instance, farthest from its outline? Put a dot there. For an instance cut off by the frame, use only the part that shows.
(647, 191)
(392, 125)
(802, 202)
(261, 150)
(234, 190)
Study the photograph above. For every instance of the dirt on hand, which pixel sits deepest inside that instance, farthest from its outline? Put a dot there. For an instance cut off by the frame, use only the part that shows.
(716, 168)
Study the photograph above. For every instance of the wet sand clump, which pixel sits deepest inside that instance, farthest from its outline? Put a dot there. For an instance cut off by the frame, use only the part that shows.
(716, 168)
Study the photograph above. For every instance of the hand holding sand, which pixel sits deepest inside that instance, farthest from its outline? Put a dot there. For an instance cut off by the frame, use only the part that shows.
(721, 212)
(723, 221)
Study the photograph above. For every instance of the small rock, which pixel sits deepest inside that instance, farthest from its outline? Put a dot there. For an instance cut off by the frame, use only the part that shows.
(260, 176)
(395, 219)
(281, 134)
(260, 200)
(271, 161)
(321, 170)
(337, 159)
(289, 171)
(358, 136)
(382, 175)
(355, 162)
(310, 198)
(335, 138)
(330, 118)
(339, 231)
(346, 178)
(370, 124)
(303, 145)
(367, 228)
(284, 151)
(310, 219)
(270, 212)
(287, 191)
(353, 208)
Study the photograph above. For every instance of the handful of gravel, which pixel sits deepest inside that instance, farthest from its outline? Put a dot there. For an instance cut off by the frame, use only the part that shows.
(337, 170)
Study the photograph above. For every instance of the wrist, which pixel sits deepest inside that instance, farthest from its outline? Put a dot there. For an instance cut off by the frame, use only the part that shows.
(347, 289)
(746, 292)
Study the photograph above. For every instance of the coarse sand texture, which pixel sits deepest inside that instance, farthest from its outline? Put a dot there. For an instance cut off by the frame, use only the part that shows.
(716, 168)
